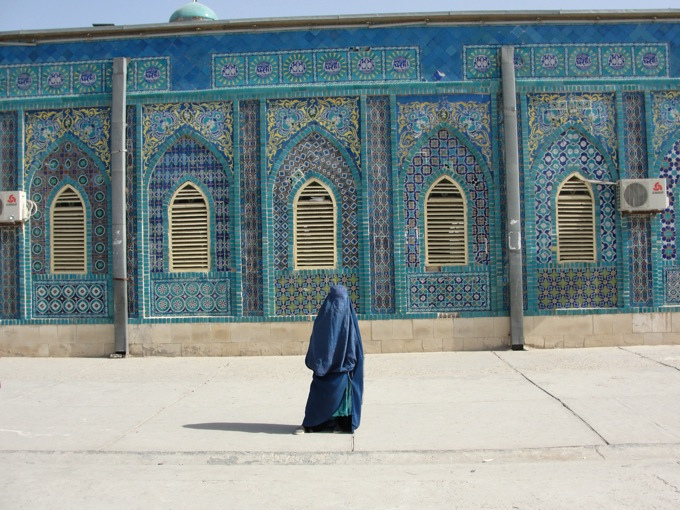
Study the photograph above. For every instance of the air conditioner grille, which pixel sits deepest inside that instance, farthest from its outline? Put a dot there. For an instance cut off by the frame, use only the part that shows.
(635, 194)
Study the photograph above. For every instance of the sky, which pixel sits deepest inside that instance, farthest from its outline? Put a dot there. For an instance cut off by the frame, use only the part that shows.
(56, 14)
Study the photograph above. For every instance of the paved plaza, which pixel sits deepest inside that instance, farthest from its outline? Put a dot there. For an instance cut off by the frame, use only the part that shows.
(536, 429)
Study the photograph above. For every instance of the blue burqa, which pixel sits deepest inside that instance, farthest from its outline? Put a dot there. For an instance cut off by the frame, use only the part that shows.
(336, 356)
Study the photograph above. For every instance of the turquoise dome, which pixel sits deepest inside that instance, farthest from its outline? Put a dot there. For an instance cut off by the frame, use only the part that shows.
(193, 11)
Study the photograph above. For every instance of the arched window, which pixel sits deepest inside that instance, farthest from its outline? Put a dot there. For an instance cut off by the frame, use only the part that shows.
(68, 247)
(315, 214)
(445, 225)
(189, 230)
(575, 221)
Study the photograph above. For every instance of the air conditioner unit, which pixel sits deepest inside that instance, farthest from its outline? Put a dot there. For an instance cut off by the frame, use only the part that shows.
(13, 207)
(642, 195)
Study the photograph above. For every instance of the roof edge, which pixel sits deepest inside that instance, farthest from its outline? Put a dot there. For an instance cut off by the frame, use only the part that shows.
(336, 21)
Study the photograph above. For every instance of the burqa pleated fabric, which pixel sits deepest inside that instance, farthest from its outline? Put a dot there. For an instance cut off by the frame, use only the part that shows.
(336, 357)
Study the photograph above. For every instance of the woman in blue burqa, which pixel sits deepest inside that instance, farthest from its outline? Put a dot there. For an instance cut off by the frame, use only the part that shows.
(336, 358)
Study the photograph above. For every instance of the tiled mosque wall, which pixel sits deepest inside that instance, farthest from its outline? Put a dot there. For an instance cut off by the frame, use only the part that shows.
(249, 128)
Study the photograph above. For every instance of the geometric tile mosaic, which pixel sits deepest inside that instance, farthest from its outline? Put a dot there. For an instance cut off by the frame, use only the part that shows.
(570, 61)
(173, 297)
(251, 206)
(636, 135)
(9, 250)
(132, 202)
(303, 294)
(577, 288)
(640, 261)
(379, 155)
(639, 238)
(8, 151)
(670, 170)
(671, 285)
(9, 273)
(446, 292)
(70, 299)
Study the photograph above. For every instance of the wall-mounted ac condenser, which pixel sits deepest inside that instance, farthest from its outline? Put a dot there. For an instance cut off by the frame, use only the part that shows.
(13, 207)
(643, 195)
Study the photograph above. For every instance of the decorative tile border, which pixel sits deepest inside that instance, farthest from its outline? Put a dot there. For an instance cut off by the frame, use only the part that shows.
(60, 299)
(446, 292)
(148, 74)
(570, 61)
(81, 78)
(316, 66)
(190, 296)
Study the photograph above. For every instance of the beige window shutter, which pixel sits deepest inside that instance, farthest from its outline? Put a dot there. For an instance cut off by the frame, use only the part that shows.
(575, 221)
(315, 230)
(68, 233)
(189, 230)
(445, 225)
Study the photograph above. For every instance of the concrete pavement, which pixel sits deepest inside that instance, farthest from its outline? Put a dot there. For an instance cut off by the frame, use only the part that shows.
(596, 428)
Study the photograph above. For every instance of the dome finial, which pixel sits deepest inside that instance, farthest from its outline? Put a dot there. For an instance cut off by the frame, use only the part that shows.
(193, 11)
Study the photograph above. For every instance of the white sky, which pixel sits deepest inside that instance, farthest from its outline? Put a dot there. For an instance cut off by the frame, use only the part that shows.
(50, 14)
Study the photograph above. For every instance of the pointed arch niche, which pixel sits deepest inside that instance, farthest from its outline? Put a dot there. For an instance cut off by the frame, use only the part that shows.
(315, 173)
(446, 209)
(575, 237)
(69, 162)
(190, 232)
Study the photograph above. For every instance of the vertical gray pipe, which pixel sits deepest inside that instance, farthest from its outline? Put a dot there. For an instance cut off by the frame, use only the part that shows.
(512, 191)
(118, 206)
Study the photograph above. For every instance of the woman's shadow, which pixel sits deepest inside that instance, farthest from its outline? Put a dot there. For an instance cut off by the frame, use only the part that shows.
(252, 428)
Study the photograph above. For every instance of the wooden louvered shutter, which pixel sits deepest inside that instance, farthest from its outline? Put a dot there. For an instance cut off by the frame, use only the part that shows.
(315, 245)
(189, 231)
(445, 225)
(575, 222)
(68, 249)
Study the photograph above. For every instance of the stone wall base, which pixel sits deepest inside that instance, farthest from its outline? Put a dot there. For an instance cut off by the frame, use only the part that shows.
(379, 336)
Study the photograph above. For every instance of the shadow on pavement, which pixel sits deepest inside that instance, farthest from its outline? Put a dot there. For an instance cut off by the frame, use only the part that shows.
(253, 428)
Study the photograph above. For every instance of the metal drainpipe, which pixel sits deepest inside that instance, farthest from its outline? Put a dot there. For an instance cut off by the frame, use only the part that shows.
(513, 198)
(119, 224)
